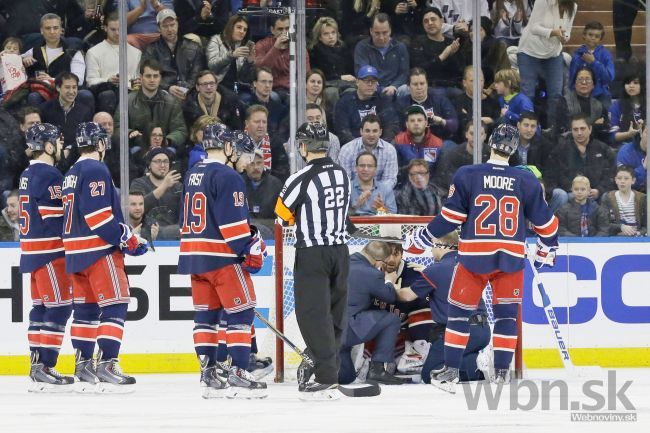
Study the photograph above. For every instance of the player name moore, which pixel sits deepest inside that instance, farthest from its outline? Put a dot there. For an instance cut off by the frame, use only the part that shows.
(499, 182)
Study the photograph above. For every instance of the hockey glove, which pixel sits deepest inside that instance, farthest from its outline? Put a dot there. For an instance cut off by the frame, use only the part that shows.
(256, 252)
(131, 243)
(545, 255)
(417, 241)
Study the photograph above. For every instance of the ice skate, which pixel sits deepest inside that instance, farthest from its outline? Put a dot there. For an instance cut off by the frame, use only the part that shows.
(243, 385)
(47, 379)
(111, 377)
(260, 367)
(86, 380)
(446, 379)
(485, 362)
(214, 379)
(315, 391)
(304, 373)
(501, 376)
(378, 374)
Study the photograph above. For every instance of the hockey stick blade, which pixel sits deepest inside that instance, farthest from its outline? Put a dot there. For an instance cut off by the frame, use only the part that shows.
(365, 390)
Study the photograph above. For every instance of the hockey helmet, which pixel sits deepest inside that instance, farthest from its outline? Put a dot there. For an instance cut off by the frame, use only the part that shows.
(216, 135)
(242, 142)
(314, 135)
(505, 139)
(41, 133)
(89, 134)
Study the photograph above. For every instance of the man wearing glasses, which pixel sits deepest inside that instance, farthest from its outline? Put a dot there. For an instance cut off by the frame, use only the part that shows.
(417, 196)
(208, 97)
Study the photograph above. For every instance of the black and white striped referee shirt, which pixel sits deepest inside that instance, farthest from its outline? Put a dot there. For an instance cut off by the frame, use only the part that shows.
(316, 199)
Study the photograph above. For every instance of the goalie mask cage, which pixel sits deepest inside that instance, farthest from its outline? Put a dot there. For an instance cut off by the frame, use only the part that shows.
(286, 361)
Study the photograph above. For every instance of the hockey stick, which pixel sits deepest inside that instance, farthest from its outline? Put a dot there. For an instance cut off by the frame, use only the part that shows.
(368, 390)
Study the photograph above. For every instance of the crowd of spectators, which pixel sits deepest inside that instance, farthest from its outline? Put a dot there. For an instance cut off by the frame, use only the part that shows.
(392, 80)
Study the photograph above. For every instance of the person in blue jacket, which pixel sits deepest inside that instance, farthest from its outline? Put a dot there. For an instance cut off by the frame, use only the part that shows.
(512, 102)
(595, 56)
(433, 285)
(367, 282)
(635, 155)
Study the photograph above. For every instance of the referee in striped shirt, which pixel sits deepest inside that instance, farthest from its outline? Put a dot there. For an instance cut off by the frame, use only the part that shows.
(317, 199)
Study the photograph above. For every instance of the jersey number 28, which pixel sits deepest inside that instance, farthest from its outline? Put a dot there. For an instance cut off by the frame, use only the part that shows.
(508, 209)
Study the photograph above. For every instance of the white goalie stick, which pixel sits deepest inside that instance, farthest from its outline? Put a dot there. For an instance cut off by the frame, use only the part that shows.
(367, 390)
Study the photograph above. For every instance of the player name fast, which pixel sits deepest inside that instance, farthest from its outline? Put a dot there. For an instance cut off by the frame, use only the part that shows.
(195, 179)
(499, 182)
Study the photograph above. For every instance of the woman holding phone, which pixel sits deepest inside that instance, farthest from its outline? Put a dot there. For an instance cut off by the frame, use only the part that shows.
(231, 55)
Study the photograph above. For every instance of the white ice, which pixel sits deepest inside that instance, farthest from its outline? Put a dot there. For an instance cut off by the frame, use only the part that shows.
(172, 403)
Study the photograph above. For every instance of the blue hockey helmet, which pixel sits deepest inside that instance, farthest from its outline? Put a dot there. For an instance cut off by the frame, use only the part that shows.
(242, 142)
(89, 134)
(505, 139)
(216, 135)
(39, 134)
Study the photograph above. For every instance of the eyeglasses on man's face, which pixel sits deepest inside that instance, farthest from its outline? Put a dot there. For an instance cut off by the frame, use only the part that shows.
(160, 161)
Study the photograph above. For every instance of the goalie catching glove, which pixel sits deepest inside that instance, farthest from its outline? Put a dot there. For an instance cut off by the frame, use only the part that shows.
(132, 243)
(255, 253)
(545, 255)
(417, 241)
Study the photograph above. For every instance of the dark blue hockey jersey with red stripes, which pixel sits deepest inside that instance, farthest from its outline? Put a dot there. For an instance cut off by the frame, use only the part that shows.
(40, 215)
(214, 222)
(491, 203)
(92, 214)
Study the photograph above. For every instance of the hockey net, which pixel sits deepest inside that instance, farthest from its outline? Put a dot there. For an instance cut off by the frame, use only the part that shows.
(286, 361)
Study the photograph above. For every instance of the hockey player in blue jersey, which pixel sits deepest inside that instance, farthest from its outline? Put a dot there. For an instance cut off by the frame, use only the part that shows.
(490, 202)
(219, 249)
(41, 215)
(96, 238)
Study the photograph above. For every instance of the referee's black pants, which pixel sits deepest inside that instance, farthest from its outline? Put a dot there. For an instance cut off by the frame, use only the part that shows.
(321, 291)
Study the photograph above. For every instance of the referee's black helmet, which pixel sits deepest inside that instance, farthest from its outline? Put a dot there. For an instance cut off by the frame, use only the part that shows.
(314, 135)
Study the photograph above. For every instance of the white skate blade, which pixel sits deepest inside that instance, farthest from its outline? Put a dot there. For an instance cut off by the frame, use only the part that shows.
(238, 392)
(48, 388)
(325, 395)
(449, 387)
(261, 373)
(111, 388)
(208, 392)
(86, 387)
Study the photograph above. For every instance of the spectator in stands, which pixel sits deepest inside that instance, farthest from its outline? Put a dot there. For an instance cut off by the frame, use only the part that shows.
(315, 93)
(328, 53)
(202, 17)
(627, 114)
(9, 225)
(438, 55)
(12, 149)
(180, 60)
(262, 95)
(209, 97)
(197, 153)
(635, 155)
(593, 55)
(53, 57)
(625, 208)
(441, 115)
(141, 223)
(141, 20)
(11, 45)
(405, 17)
(417, 196)
(511, 101)
(67, 111)
(494, 56)
(582, 216)
(510, 18)
(624, 13)
(417, 141)
(533, 148)
(385, 53)
(103, 64)
(458, 14)
(540, 47)
(357, 15)
(464, 108)
(370, 141)
(314, 113)
(112, 158)
(456, 157)
(262, 188)
(273, 52)
(353, 107)
(276, 159)
(369, 196)
(581, 100)
(162, 190)
(582, 154)
(231, 55)
(152, 106)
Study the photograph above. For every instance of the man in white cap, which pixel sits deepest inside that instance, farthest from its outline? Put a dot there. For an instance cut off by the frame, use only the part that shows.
(141, 20)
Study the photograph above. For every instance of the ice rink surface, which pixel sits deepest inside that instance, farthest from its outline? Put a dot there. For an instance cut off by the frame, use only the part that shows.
(172, 403)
